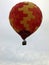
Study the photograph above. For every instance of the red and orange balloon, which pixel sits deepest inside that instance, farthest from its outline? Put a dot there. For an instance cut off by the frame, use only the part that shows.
(25, 18)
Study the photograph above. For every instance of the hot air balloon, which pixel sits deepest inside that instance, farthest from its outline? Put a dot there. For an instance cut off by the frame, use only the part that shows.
(25, 18)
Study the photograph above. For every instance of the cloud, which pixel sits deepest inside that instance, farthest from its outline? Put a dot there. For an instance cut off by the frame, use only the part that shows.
(9, 57)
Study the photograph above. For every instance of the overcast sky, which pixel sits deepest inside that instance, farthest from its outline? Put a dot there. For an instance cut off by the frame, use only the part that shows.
(36, 52)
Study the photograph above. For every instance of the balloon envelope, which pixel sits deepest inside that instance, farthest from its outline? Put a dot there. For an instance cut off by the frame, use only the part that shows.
(25, 18)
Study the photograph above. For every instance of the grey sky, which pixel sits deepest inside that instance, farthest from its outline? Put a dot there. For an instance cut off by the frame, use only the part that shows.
(36, 52)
